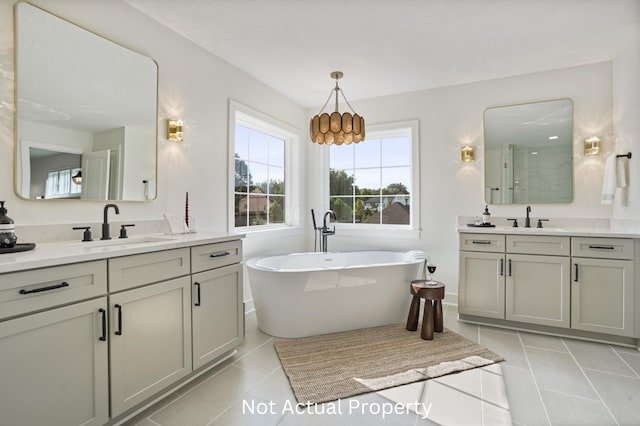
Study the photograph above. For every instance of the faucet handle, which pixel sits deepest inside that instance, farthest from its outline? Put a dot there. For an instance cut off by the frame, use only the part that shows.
(123, 230)
(539, 225)
(515, 222)
(87, 233)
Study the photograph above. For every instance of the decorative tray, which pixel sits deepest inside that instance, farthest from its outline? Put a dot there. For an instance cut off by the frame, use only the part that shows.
(18, 247)
(484, 225)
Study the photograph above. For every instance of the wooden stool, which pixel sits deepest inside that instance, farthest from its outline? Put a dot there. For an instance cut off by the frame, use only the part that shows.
(432, 292)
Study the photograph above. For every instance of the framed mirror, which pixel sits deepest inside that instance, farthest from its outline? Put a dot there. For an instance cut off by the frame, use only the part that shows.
(528, 153)
(86, 113)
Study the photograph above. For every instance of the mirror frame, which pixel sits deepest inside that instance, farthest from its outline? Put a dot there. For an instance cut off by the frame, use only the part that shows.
(486, 187)
(18, 160)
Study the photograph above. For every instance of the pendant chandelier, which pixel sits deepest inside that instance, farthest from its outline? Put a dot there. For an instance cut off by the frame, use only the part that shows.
(337, 128)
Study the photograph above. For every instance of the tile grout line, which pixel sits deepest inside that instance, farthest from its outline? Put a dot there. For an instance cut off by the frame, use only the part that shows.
(590, 383)
(623, 360)
(545, 349)
(535, 382)
(570, 395)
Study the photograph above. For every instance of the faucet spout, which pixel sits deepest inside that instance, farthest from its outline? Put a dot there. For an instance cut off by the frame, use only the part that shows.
(527, 220)
(105, 223)
(325, 229)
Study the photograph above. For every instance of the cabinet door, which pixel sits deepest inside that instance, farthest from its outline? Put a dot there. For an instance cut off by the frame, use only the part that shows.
(602, 296)
(53, 367)
(538, 289)
(481, 286)
(150, 341)
(217, 313)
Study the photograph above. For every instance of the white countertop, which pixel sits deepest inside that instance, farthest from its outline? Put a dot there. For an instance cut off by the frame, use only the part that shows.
(65, 252)
(567, 231)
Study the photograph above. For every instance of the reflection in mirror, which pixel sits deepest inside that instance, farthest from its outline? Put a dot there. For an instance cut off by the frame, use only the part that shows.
(528, 151)
(83, 104)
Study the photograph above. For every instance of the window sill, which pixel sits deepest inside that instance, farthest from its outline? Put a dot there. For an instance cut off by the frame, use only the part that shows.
(281, 231)
(377, 231)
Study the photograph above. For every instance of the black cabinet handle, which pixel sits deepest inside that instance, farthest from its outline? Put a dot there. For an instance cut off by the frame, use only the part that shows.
(509, 267)
(220, 254)
(575, 277)
(51, 287)
(501, 267)
(119, 330)
(197, 294)
(598, 247)
(485, 242)
(104, 324)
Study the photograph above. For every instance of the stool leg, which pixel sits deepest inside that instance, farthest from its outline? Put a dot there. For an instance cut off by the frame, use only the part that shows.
(437, 316)
(412, 319)
(427, 321)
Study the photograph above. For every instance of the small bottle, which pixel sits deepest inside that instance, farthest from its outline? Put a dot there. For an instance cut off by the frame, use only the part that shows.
(486, 216)
(7, 229)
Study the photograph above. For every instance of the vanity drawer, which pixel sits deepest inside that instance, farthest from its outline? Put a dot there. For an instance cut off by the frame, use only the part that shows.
(539, 244)
(37, 289)
(603, 248)
(140, 269)
(482, 242)
(215, 255)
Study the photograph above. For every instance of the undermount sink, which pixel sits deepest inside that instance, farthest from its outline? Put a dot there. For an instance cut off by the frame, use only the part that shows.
(123, 241)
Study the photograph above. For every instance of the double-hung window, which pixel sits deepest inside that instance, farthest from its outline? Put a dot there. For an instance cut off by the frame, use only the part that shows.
(260, 150)
(375, 182)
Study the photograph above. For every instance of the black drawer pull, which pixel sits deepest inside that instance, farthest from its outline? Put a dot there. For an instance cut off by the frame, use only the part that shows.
(509, 267)
(104, 324)
(197, 294)
(501, 267)
(602, 247)
(485, 242)
(119, 330)
(51, 287)
(220, 254)
(575, 278)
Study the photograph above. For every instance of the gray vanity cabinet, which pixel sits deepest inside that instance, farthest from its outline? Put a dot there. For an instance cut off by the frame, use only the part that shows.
(481, 289)
(150, 324)
(537, 280)
(53, 363)
(602, 294)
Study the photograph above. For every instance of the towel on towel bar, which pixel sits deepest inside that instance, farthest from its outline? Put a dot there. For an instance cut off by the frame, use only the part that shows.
(609, 181)
(621, 173)
(615, 176)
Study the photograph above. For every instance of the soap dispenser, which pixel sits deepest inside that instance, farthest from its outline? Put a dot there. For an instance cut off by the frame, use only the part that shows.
(7, 229)
(486, 216)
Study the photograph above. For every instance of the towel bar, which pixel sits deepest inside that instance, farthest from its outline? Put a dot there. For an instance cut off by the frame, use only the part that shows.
(628, 155)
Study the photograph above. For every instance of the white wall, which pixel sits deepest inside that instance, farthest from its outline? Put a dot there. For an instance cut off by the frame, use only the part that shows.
(626, 85)
(451, 117)
(193, 85)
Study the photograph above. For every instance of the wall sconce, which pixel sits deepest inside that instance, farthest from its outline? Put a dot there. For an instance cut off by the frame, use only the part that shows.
(174, 130)
(467, 154)
(592, 145)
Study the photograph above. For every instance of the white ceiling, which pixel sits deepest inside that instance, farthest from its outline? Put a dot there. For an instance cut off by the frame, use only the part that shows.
(395, 46)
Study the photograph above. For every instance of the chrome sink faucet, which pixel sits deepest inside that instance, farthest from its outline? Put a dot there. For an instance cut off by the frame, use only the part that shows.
(325, 229)
(105, 222)
(527, 220)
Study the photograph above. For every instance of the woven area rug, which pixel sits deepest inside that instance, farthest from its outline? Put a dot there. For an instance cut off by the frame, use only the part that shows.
(340, 365)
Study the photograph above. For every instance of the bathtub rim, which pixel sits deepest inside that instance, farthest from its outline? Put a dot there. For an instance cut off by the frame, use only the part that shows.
(252, 263)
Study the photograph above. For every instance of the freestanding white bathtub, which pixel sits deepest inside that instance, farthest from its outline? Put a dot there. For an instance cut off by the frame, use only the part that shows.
(306, 294)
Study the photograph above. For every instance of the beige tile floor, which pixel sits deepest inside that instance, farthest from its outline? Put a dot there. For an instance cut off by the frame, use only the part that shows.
(544, 381)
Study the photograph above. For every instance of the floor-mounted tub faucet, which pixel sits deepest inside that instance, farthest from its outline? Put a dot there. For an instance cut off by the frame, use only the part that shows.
(105, 223)
(325, 229)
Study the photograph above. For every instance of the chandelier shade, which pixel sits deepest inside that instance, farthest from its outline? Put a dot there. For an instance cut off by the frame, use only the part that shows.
(336, 128)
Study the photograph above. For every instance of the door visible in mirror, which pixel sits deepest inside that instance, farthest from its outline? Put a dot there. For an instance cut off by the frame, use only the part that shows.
(528, 152)
(78, 93)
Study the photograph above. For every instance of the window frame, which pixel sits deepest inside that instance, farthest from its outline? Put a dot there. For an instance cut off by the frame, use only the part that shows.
(375, 131)
(256, 120)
